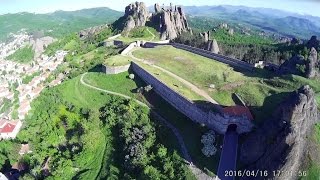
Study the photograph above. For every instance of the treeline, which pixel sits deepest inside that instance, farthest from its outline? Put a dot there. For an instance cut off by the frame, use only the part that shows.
(251, 49)
(117, 141)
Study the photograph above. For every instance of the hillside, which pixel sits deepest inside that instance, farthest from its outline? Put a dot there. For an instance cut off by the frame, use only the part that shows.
(276, 21)
(56, 24)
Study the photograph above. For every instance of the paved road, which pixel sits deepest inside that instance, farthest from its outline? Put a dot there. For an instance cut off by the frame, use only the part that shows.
(228, 159)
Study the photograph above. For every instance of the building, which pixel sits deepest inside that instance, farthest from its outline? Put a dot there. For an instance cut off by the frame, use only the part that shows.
(9, 129)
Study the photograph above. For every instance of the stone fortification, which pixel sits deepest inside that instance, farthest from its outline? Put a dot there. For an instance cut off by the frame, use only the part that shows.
(216, 121)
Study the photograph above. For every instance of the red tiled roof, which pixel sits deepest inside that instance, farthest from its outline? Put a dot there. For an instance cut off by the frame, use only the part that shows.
(238, 111)
(8, 128)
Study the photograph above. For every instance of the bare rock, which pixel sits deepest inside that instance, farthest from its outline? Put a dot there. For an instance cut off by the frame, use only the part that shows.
(231, 31)
(213, 46)
(157, 8)
(279, 144)
(83, 34)
(136, 15)
(313, 42)
(39, 45)
(290, 65)
(311, 69)
(173, 23)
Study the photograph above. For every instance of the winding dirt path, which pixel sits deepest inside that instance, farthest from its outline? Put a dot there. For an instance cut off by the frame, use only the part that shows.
(193, 87)
(200, 175)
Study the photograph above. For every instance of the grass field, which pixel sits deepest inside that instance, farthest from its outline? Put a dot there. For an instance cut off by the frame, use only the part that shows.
(260, 90)
(120, 83)
(22, 55)
(117, 60)
(139, 34)
(172, 83)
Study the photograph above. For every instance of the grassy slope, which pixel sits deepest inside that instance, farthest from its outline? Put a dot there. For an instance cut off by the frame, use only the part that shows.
(22, 55)
(120, 83)
(56, 24)
(259, 89)
(117, 60)
(139, 34)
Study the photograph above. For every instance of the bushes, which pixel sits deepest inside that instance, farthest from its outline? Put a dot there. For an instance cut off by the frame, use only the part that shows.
(22, 55)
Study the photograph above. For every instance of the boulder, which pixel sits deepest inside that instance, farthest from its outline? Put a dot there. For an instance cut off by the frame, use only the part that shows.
(312, 63)
(281, 142)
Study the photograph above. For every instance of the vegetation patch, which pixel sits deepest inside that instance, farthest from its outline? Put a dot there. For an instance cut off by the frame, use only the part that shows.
(22, 55)
(117, 60)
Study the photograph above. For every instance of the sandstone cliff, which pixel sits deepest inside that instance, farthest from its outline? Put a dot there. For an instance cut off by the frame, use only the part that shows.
(281, 142)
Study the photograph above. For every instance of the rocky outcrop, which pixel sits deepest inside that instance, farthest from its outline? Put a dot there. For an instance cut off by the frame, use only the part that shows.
(39, 45)
(136, 15)
(281, 142)
(206, 36)
(313, 42)
(83, 34)
(213, 46)
(312, 64)
(231, 31)
(172, 22)
(290, 65)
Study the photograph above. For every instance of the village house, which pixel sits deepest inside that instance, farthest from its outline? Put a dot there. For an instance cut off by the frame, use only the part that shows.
(9, 129)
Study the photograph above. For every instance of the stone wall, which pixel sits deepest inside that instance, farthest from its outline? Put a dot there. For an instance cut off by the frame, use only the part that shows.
(224, 59)
(216, 121)
(115, 69)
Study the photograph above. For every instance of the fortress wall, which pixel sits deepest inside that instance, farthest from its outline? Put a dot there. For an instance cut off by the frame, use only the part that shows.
(218, 57)
(216, 121)
(115, 70)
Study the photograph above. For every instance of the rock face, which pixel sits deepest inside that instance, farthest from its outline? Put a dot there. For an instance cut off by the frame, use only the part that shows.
(290, 65)
(172, 22)
(313, 42)
(39, 45)
(83, 34)
(213, 46)
(311, 69)
(169, 22)
(281, 142)
(136, 15)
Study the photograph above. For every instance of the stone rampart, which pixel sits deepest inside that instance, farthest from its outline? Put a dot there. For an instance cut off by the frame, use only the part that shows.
(114, 69)
(216, 121)
(224, 59)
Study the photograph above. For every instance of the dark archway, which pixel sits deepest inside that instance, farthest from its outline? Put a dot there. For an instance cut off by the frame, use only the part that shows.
(232, 127)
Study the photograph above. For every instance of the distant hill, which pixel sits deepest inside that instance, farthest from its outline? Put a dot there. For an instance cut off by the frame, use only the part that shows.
(282, 22)
(58, 23)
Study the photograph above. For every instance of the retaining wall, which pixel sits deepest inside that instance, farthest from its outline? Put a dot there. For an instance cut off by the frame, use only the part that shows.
(115, 69)
(216, 121)
(224, 59)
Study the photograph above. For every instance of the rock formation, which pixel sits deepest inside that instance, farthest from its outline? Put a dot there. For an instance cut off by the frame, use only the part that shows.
(231, 31)
(172, 22)
(136, 15)
(213, 46)
(39, 45)
(290, 65)
(206, 36)
(83, 34)
(169, 22)
(312, 64)
(313, 42)
(281, 142)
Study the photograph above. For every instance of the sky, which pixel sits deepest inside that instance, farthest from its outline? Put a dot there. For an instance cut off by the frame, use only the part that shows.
(311, 7)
